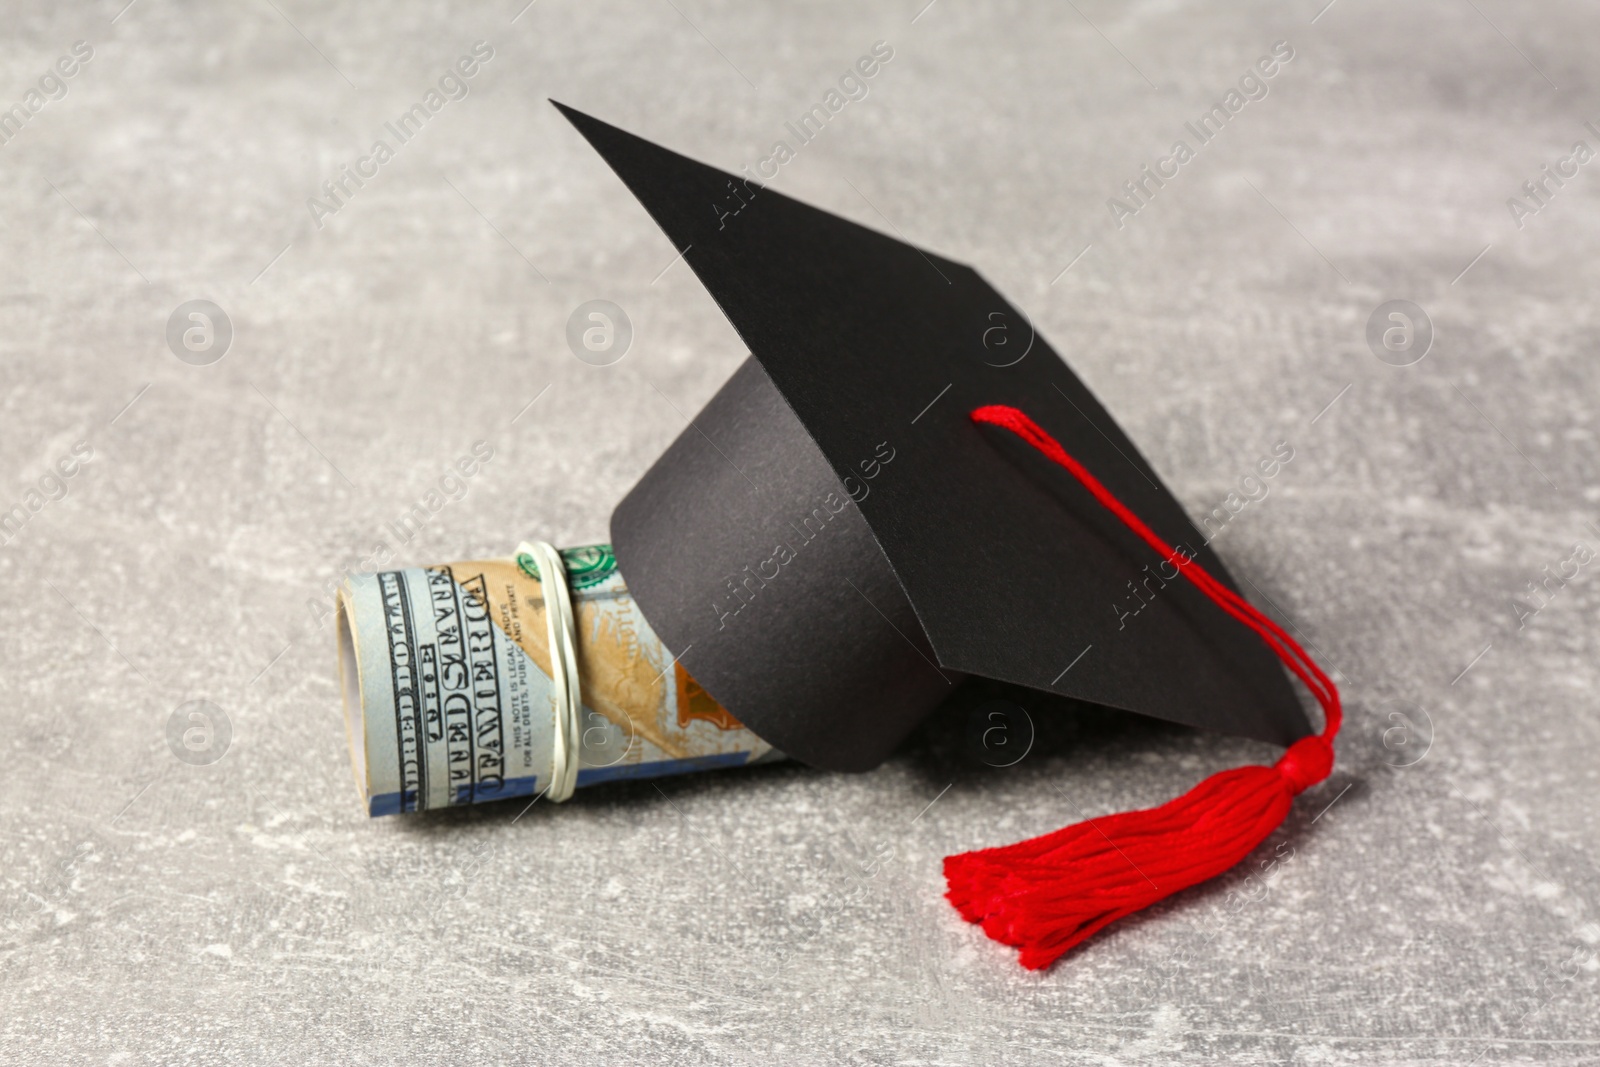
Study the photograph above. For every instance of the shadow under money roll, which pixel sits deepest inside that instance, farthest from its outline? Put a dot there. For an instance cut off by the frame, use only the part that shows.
(448, 680)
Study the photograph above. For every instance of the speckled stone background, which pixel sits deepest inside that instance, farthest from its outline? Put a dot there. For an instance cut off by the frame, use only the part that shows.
(1433, 903)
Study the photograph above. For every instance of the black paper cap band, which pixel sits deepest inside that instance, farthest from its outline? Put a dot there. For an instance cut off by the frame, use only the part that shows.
(752, 562)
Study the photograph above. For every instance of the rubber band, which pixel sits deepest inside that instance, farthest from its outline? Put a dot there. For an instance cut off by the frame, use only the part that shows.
(561, 628)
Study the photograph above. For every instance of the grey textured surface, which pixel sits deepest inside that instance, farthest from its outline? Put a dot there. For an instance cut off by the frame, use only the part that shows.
(246, 911)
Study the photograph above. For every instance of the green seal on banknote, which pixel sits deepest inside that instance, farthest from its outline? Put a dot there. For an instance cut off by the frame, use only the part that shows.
(586, 566)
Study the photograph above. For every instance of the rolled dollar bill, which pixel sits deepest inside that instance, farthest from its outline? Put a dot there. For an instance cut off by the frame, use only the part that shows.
(446, 676)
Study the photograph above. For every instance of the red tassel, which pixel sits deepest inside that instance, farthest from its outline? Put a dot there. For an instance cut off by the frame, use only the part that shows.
(1048, 894)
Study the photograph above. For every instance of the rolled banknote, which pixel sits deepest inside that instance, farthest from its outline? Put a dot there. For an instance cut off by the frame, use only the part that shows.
(446, 676)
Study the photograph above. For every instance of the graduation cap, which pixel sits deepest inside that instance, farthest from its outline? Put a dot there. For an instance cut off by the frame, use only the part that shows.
(905, 485)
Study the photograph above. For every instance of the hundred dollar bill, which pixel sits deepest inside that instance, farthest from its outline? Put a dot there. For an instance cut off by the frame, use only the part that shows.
(446, 678)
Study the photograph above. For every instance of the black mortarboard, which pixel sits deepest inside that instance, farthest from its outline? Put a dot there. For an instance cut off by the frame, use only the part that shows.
(832, 543)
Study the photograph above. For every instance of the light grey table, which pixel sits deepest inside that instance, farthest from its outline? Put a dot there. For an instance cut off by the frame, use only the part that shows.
(1438, 901)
